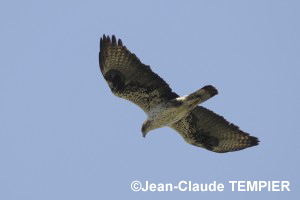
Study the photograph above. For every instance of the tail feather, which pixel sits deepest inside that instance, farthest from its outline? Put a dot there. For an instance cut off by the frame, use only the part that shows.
(203, 94)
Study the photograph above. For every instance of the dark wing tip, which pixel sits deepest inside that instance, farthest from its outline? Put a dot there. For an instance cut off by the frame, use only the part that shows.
(104, 43)
(107, 43)
(253, 141)
(114, 41)
(120, 44)
(101, 43)
(249, 142)
(105, 40)
(108, 40)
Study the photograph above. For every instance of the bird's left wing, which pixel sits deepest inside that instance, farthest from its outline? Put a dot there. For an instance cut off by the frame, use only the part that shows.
(204, 128)
(129, 78)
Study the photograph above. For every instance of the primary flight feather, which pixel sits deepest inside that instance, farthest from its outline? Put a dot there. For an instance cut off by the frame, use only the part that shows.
(130, 79)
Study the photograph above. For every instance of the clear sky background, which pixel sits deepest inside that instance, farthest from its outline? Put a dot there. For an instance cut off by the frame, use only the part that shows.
(64, 135)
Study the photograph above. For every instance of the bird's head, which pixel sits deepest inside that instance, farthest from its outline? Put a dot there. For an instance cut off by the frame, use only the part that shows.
(146, 127)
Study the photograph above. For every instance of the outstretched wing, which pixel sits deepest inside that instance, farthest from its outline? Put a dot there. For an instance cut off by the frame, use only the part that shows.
(130, 79)
(204, 128)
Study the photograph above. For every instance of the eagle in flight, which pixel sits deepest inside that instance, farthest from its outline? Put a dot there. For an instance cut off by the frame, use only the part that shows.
(130, 79)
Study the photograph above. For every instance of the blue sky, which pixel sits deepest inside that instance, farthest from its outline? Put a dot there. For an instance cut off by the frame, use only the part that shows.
(63, 135)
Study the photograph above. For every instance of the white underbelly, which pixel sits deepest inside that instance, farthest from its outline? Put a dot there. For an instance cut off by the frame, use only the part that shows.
(162, 116)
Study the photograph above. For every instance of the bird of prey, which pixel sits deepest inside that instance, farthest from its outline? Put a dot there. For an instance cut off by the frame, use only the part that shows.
(130, 79)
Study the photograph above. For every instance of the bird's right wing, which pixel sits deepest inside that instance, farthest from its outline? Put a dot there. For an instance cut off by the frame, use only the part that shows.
(130, 79)
(204, 128)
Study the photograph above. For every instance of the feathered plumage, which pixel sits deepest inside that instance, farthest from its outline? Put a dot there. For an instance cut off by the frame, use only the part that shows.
(130, 79)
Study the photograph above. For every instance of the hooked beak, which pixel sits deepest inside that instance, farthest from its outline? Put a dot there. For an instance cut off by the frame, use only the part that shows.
(144, 134)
